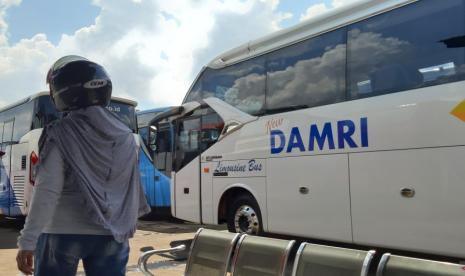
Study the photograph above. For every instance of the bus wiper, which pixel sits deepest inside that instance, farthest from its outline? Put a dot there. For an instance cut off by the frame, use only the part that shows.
(287, 108)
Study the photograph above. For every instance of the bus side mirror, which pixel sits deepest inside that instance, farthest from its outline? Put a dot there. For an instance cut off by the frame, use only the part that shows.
(2, 153)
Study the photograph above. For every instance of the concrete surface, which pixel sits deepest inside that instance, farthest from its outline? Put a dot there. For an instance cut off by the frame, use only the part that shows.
(158, 234)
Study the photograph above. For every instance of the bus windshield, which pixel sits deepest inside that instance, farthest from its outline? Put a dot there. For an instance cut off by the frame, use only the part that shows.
(144, 119)
(125, 113)
(45, 113)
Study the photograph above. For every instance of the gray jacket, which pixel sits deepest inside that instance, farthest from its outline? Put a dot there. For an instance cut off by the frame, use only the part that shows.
(88, 179)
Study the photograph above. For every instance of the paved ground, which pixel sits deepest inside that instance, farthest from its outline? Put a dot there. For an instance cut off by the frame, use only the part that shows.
(158, 234)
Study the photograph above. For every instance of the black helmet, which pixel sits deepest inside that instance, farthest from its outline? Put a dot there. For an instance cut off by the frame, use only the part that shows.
(76, 82)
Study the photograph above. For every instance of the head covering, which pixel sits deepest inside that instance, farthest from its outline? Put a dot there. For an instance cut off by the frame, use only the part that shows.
(101, 152)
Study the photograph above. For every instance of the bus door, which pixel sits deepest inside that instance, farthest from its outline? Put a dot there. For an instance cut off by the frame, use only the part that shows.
(186, 166)
(160, 142)
(6, 193)
(194, 135)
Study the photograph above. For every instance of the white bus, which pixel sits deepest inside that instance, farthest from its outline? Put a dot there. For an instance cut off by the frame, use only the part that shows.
(349, 127)
(21, 125)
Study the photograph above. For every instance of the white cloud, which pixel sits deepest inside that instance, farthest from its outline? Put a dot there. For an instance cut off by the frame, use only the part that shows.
(152, 48)
(321, 8)
(9, 2)
(232, 29)
(314, 10)
(4, 5)
(22, 65)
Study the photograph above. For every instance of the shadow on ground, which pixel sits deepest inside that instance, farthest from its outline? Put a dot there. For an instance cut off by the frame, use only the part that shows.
(9, 232)
(164, 264)
(174, 227)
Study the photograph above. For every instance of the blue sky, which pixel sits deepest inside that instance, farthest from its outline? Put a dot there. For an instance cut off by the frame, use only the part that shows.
(153, 49)
(52, 17)
(296, 7)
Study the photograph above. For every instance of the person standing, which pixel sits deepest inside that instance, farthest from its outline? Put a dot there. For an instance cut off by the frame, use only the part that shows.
(87, 195)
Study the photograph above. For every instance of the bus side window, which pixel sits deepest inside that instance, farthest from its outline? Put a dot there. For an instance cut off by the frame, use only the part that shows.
(307, 74)
(187, 145)
(416, 46)
(8, 132)
(212, 125)
(23, 121)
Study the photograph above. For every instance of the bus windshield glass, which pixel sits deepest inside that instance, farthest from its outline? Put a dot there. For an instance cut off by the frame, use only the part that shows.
(144, 119)
(44, 112)
(125, 113)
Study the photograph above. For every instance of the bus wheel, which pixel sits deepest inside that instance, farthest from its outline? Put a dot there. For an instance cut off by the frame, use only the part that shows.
(244, 216)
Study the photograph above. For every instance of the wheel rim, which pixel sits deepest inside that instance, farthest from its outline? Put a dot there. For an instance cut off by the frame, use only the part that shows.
(246, 220)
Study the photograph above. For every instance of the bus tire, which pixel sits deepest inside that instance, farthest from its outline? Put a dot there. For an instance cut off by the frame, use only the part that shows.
(244, 216)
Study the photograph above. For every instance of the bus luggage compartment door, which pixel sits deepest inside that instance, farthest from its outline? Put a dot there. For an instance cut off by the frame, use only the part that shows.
(309, 196)
(410, 199)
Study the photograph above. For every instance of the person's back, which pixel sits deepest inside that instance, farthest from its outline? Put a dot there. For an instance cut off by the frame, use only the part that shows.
(88, 196)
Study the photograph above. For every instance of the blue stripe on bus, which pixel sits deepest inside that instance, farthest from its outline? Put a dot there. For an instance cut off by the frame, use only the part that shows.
(4, 202)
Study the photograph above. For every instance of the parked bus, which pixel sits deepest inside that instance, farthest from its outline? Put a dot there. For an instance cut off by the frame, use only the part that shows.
(155, 181)
(21, 125)
(348, 127)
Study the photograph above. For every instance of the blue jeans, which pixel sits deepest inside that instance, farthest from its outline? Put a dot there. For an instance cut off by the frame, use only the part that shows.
(59, 255)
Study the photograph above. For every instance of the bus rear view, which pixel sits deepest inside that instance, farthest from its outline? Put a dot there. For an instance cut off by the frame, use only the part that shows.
(21, 125)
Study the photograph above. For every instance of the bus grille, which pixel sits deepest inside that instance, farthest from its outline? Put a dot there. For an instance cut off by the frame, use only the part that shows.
(18, 190)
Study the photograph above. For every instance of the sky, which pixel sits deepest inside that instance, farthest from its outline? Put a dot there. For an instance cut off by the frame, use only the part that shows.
(152, 49)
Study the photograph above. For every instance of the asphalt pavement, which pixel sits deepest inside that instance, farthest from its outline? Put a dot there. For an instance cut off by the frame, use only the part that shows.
(9, 232)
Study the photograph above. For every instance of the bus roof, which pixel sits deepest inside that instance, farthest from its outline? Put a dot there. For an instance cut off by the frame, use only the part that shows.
(158, 109)
(123, 100)
(25, 100)
(46, 93)
(312, 27)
